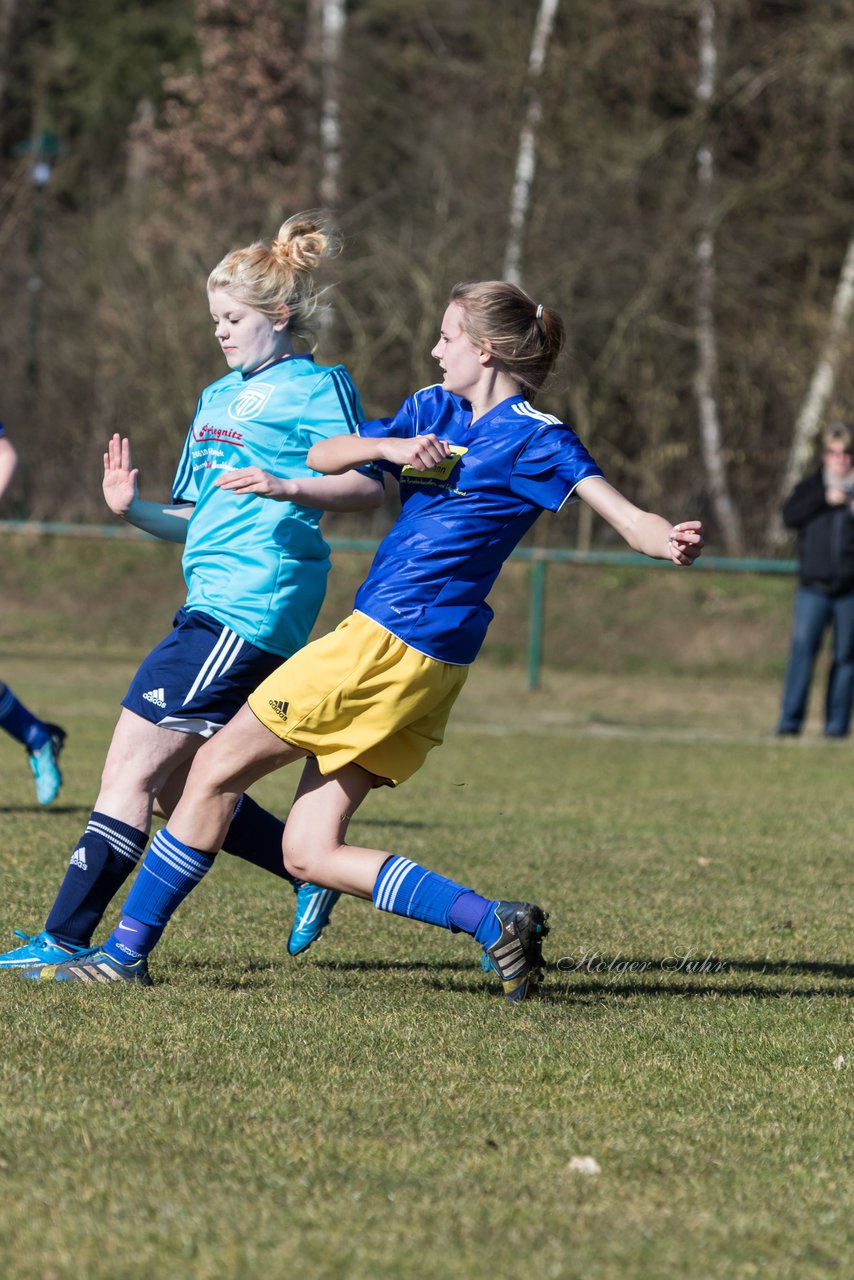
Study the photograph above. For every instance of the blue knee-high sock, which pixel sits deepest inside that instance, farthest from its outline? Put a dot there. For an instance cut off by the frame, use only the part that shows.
(18, 721)
(256, 836)
(406, 889)
(102, 860)
(169, 871)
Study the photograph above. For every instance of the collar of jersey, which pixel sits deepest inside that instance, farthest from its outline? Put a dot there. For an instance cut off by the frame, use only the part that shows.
(491, 413)
(304, 355)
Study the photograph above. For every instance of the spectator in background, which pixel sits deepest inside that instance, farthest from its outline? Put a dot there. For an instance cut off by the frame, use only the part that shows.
(42, 742)
(821, 509)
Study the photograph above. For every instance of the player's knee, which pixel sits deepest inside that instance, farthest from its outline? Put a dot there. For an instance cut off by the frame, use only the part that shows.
(121, 779)
(302, 854)
(297, 859)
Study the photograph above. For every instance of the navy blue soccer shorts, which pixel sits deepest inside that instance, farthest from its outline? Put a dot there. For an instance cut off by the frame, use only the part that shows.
(196, 679)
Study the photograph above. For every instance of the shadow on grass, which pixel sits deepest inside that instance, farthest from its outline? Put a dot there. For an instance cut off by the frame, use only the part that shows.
(558, 991)
(694, 977)
(559, 987)
(55, 810)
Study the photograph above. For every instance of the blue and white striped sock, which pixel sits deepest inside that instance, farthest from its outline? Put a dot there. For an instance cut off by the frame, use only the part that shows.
(169, 871)
(406, 889)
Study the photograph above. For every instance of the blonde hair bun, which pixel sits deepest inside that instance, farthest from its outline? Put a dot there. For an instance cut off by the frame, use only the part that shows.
(304, 240)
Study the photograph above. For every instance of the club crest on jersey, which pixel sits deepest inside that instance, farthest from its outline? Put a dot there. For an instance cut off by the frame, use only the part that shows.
(250, 401)
(442, 470)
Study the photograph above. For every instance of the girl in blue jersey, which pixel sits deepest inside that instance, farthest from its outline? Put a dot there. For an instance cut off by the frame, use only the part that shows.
(476, 464)
(255, 570)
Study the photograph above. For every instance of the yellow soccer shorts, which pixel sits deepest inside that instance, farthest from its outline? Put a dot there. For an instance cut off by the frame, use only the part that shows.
(361, 696)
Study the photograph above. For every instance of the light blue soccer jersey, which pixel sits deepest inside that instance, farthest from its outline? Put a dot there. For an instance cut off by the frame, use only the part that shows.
(460, 520)
(256, 565)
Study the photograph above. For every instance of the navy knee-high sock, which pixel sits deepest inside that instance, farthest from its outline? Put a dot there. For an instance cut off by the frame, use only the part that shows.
(102, 860)
(255, 835)
(20, 722)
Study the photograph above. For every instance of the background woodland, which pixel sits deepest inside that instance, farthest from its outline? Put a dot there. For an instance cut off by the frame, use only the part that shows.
(676, 177)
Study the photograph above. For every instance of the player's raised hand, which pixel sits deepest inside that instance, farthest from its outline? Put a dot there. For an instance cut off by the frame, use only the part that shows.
(685, 542)
(420, 452)
(120, 476)
(254, 480)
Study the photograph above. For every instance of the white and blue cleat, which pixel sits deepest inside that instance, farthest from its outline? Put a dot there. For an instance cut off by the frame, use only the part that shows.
(38, 950)
(314, 907)
(44, 762)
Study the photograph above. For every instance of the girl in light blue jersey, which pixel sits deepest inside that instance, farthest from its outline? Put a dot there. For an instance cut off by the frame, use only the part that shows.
(255, 571)
(476, 464)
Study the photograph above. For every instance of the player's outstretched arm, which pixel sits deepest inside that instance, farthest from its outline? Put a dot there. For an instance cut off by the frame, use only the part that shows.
(644, 531)
(121, 496)
(350, 491)
(340, 453)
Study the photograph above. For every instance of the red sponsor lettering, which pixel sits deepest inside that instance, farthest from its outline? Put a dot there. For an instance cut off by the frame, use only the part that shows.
(224, 434)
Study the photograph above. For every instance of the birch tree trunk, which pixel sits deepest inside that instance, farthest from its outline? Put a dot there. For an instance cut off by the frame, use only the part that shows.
(333, 20)
(526, 160)
(706, 376)
(824, 378)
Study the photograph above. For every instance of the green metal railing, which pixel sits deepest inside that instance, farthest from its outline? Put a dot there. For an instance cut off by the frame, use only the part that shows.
(538, 558)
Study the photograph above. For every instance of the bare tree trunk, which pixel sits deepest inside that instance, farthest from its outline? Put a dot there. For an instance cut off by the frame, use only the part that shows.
(706, 376)
(526, 160)
(333, 15)
(824, 378)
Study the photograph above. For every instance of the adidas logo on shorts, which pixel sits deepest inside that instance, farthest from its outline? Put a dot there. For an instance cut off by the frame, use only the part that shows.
(78, 859)
(157, 697)
(280, 708)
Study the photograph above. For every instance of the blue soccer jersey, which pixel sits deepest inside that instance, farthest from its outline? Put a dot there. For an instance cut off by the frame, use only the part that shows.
(460, 520)
(255, 565)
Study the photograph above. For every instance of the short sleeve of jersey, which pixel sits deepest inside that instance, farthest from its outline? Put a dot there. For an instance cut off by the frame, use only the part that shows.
(184, 488)
(550, 466)
(2, 431)
(404, 423)
(334, 399)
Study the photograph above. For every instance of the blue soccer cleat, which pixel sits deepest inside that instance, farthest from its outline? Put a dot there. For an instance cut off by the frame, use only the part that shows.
(95, 966)
(39, 950)
(44, 762)
(314, 907)
(517, 953)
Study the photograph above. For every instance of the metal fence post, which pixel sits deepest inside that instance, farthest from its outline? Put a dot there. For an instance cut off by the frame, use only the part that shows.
(536, 611)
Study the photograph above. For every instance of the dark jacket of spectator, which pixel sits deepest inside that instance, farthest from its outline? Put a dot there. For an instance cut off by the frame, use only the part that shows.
(825, 537)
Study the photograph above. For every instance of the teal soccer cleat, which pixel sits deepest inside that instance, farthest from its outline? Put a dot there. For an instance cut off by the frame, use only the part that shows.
(94, 966)
(39, 950)
(314, 907)
(517, 953)
(44, 762)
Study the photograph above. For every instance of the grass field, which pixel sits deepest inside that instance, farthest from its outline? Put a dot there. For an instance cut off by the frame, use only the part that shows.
(373, 1109)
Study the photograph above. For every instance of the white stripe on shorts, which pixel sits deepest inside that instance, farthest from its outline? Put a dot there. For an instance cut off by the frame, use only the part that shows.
(220, 658)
